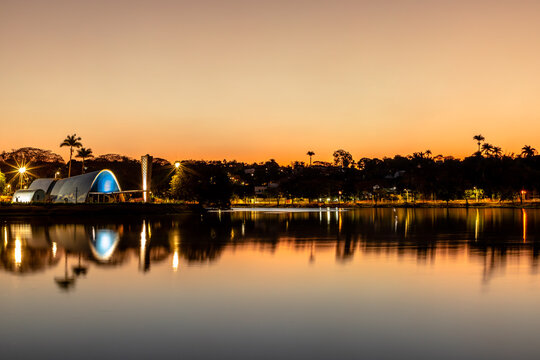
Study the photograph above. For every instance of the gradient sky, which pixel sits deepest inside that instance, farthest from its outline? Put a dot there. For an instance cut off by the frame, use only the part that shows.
(253, 80)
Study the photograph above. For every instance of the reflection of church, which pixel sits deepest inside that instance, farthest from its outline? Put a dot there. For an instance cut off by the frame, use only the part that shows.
(29, 248)
(422, 233)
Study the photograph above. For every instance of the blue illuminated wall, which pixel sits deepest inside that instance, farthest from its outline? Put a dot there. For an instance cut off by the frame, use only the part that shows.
(105, 183)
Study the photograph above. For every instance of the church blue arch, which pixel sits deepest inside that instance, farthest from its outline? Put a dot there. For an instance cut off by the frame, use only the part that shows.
(105, 182)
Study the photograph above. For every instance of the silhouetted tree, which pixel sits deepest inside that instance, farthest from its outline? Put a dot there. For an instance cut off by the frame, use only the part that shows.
(487, 149)
(73, 141)
(496, 151)
(479, 138)
(342, 158)
(84, 154)
(208, 184)
(310, 154)
(528, 151)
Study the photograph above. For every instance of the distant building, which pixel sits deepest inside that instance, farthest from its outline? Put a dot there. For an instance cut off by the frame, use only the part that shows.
(260, 190)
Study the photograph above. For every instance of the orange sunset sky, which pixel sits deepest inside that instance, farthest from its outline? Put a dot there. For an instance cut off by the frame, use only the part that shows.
(254, 80)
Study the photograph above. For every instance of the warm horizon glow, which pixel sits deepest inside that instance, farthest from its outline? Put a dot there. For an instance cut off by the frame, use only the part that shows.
(254, 80)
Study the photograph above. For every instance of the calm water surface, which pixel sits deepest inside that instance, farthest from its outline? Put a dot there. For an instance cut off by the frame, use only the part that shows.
(364, 284)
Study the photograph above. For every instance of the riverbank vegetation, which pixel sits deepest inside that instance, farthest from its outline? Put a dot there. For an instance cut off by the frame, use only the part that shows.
(487, 176)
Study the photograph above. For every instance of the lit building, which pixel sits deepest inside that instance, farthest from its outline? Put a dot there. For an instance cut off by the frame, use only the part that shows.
(97, 186)
(27, 196)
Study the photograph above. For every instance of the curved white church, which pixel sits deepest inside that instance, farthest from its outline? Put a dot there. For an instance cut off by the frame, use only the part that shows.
(96, 186)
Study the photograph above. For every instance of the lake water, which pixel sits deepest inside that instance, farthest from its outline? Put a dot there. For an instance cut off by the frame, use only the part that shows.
(362, 284)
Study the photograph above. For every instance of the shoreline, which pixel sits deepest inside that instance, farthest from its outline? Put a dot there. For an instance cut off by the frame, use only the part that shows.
(150, 209)
(113, 209)
(427, 205)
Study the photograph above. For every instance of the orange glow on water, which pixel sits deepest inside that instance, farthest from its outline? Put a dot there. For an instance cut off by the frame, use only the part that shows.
(524, 216)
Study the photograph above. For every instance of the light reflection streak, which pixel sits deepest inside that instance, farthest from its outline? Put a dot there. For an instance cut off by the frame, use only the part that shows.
(476, 224)
(142, 252)
(175, 247)
(18, 252)
(328, 216)
(54, 249)
(524, 212)
(407, 222)
(175, 261)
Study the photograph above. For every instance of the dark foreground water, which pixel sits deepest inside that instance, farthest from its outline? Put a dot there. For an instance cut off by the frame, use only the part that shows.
(366, 284)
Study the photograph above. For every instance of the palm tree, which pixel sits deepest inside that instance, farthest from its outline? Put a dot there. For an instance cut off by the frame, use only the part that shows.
(84, 154)
(528, 151)
(310, 153)
(479, 138)
(487, 149)
(496, 151)
(73, 141)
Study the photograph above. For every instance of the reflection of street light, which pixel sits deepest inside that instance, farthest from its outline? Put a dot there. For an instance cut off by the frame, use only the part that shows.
(175, 261)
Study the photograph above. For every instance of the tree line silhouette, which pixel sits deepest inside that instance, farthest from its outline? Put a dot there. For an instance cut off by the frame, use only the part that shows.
(487, 174)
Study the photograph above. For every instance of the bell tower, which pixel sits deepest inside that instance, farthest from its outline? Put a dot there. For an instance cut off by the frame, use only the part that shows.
(146, 169)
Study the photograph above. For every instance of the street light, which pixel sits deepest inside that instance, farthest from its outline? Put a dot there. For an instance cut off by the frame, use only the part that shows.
(177, 164)
(407, 194)
(523, 193)
(22, 170)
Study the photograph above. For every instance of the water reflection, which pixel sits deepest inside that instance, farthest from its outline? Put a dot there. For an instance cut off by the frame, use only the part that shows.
(103, 243)
(490, 235)
(524, 216)
(66, 281)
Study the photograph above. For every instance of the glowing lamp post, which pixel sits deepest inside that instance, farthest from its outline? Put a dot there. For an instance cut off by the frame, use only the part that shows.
(22, 171)
(407, 194)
